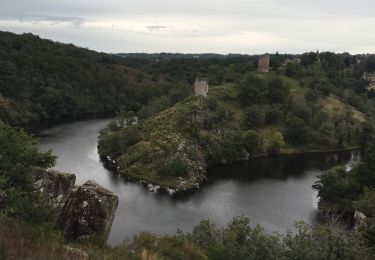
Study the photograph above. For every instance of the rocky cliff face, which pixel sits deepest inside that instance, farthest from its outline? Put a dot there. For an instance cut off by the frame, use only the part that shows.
(89, 210)
(56, 186)
(85, 210)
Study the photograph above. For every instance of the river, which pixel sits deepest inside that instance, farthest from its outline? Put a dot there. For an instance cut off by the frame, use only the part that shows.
(272, 192)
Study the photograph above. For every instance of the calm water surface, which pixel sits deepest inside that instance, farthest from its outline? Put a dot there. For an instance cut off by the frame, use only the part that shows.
(273, 192)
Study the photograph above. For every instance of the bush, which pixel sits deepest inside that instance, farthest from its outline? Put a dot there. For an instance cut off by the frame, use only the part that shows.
(275, 143)
(175, 167)
(18, 156)
(274, 114)
(277, 91)
(296, 131)
(252, 142)
(252, 90)
(254, 117)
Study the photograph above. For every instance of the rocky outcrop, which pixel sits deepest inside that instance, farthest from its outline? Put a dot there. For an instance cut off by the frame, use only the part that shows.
(85, 210)
(360, 221)
(3, 200)
(56, 186)
(89, 210)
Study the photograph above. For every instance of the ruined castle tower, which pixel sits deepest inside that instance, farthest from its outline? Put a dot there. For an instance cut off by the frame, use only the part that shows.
(201, 87)
(264, 63)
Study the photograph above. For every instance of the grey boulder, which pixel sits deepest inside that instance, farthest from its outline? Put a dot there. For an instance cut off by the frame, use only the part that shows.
(89, 210)
(56, 186)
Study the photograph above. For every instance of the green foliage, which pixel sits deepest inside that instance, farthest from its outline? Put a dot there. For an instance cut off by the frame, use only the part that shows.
(275, 143)
(309, 58)
(175, 167)
(237, 241)
(274, 115)
(18, 156)
(327, 131)
(252, 142)
(366, 203)
(311, 96)
(252, 90)
(323, 243)
(337, 186)
(254, 117)
(241, 241)
(42, 80)
(296, 131)
(278, 92)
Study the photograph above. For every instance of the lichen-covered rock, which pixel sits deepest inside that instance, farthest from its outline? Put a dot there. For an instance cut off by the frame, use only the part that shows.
(360, 221)
(57, 186)
(3, 200)
(90, 210)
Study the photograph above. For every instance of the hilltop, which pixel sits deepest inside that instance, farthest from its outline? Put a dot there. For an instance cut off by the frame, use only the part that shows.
(262, 115)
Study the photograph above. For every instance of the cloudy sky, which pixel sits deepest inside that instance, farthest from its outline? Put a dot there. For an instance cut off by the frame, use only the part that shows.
(220, 26)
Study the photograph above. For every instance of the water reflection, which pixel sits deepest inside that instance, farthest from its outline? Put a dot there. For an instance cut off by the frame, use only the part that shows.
(271, 191)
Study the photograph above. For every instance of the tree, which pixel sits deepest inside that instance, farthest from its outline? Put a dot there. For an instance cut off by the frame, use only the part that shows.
(252, 90)
(338, 187)
(254, 117)
(327, 131)
(308, 58)
(274, 114)
(366, 203)
(275, 143)
(277, 91)
(296, 131)
(252, 142)
(19, 156)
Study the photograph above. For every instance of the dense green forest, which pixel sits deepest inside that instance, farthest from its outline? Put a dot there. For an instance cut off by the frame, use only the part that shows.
(42, 80)
(317, 103)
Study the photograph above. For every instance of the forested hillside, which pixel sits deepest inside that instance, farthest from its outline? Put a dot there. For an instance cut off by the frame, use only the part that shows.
(318, 103)
(42, 80)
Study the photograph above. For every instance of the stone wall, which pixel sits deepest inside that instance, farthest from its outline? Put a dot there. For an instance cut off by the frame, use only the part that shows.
(201, 87)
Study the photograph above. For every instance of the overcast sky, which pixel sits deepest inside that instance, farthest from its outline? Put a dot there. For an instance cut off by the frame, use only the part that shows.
(196, 26)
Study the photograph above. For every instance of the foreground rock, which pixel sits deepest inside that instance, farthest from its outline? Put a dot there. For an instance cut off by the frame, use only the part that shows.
(360, 221)
(89, 210)
(56, 186)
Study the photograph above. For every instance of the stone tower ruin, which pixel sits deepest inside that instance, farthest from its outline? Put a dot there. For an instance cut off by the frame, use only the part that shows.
(201, 87)
(264, 63)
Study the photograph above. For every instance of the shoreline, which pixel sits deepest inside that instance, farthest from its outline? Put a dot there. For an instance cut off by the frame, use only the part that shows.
(112, 166)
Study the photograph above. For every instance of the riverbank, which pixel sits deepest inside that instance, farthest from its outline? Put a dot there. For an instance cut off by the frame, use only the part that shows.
(111, 165)
(272, 191)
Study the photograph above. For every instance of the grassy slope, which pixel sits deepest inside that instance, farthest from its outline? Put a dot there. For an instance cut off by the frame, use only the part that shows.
(164, 138)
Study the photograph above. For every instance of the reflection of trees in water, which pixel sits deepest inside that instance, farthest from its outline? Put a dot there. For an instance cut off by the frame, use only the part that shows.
(281, 167)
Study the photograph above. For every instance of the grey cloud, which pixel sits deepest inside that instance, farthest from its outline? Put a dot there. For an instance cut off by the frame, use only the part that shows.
(170, 25)
(156, 28)
(36, 19)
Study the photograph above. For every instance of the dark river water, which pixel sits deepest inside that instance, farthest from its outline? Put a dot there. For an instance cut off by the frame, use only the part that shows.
(273, 192)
